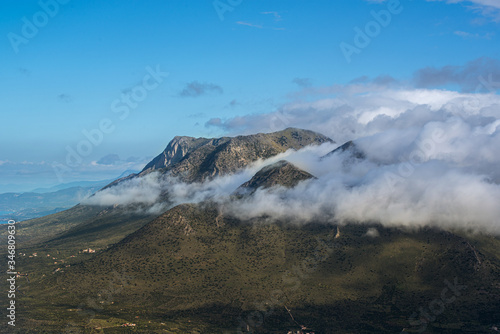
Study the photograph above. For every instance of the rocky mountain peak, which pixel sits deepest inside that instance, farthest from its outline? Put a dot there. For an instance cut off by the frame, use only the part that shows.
(351, 148)
(281, 173)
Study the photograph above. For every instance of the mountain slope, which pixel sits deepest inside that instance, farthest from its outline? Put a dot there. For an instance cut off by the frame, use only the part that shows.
(80, 227)
(195, 259)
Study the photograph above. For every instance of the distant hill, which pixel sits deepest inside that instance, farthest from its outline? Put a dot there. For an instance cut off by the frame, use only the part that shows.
(83, 184)
(61, 198)
(31, 205)
(77, 184)
(45, 201)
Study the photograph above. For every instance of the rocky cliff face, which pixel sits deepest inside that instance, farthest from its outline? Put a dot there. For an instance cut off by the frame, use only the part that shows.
(176, 150)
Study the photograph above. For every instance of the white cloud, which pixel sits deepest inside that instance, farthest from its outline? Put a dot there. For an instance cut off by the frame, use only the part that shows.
(479, 75)
(349, 115)
(465, 34)
(486, 3)
(490, 8)
(249, 24)
(372, 232)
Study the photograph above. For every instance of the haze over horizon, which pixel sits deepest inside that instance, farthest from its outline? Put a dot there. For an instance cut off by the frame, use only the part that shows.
(93, 89)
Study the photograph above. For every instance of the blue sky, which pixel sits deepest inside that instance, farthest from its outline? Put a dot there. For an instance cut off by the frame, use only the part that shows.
(224, 59)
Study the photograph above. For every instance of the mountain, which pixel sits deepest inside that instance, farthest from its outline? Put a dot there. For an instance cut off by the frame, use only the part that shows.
(198, 159)
(198, 268)
(281, 173)
(191, 159)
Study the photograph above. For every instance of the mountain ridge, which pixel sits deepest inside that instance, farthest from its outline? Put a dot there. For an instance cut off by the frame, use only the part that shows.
(199, 159)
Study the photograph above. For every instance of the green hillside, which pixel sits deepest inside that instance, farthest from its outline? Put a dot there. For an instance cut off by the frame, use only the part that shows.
(195, 263)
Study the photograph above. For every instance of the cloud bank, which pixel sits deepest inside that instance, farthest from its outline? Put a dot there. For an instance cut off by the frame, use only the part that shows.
(431, 158)
(160, 192)
(472, 77)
